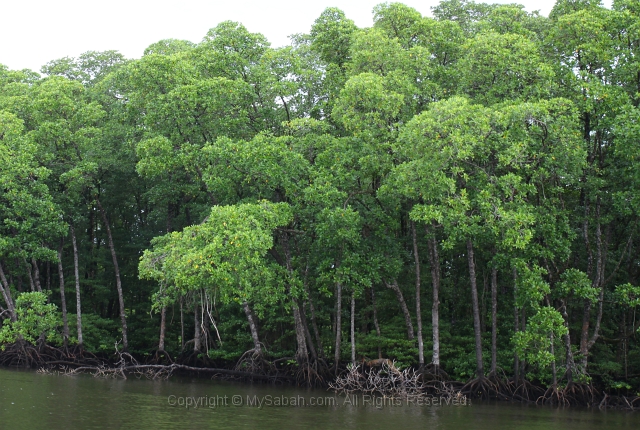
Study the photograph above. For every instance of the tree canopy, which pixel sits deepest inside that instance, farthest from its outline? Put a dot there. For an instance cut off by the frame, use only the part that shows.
(217, 197)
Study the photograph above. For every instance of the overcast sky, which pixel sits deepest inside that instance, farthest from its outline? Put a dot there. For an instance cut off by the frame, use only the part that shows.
(34, 32)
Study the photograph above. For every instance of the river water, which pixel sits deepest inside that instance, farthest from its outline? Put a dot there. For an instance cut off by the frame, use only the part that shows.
(29, 400)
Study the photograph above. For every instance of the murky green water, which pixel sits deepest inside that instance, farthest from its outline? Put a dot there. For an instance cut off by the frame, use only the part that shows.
(33, 401)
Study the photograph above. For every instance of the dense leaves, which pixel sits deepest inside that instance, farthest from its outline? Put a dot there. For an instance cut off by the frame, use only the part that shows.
(468, 183)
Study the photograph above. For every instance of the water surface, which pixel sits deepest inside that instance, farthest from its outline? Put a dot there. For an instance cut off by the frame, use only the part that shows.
(29, 400)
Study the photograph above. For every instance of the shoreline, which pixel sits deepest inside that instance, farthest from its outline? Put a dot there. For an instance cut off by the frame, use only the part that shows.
(430, 385)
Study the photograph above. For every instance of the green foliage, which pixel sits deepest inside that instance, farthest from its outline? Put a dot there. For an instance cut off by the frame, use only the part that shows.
(98, 334)
(498, 67)
(576, 282)
(35, 318)
(544, 329)
(226, 172)
(330, 35)
(628, 295)
(224, 256)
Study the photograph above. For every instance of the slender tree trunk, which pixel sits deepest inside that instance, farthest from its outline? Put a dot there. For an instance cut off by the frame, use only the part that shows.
(252, 326)
(123, 317)
(63, 301)
(554, 372)
(197, 337)
(416, 258)
(31, 283)
(584, 333)
(302, 354)
(163, 317)
(494, 320)
(375, 320)
(6, 294)
(516, 325)
(338, 326)
(476, 309)
(434, 261)
(314, 324)
(76, 273)
(523, 327)
(403, 305)
(36, 274)
(598, 282)
(163, 312)
(586, 310)
(181, 325)
(567, 344)
(307, 333)
(596, 329)
(353, 328)
(625, 346)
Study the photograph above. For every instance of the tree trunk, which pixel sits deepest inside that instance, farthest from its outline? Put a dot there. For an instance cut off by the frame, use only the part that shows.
(197, 337)
(307, 333)
(6, 294)
(29, 268)
(314, 324)
(63, 301)
(416, 259)
(48, 276)
(181, 325)
(586, 310)
(163, 317)
(403, 305)
(434, 261)
(375, 320)
(554, 372)
(302, 354)
(163, 312)
(252, 326)
(123, 317)
(353, 328)
(494, 321)
(76, 273)
(338, 326)
(516, 325)
(476, 309)
(36, 274)
(599, 281)
(523, 327)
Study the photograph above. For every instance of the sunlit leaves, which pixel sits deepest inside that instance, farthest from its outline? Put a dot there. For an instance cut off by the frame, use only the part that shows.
(498, 67)
(576, 282)
(34, 318)
(366, 106)
(28, 215)
(225, 255)
(628, 294)
(331, 36)
(544, 329)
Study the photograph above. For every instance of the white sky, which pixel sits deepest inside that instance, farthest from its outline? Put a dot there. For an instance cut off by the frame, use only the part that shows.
(33, 32)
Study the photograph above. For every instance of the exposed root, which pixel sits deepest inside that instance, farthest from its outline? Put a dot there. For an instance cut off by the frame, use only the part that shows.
(253, 361)
(479, 388)
(383, 378)
(554, 396)
(161, 356)
(432, 373)
(391, 382)
(578, 393)
(524, 391)
(308, 375)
